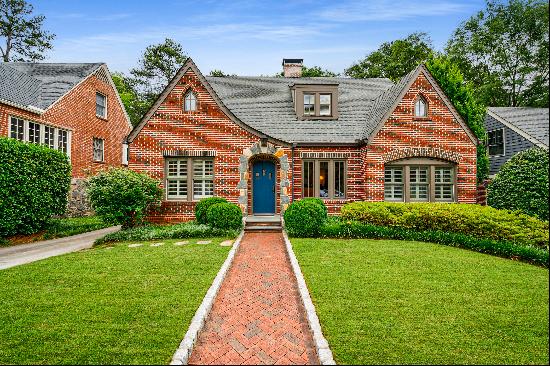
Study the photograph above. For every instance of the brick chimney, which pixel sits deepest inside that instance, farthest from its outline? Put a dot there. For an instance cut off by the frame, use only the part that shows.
(292, 67)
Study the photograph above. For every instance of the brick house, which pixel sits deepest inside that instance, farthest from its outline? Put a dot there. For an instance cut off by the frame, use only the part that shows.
(263, 142)
(74, 108)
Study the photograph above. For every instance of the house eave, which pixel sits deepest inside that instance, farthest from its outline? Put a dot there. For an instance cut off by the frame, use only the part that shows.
(28, 108)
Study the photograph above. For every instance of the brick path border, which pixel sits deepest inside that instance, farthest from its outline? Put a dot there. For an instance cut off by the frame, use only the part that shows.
(321, 345)
(181, 356)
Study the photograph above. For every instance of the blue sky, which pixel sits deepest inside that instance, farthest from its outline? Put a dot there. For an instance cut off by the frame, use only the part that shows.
(244, 37)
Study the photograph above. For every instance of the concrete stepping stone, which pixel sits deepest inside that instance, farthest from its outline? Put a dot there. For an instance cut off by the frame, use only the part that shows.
(204, 242)
(180, 243)
(156, 244)
(134, 245)
(226, 243)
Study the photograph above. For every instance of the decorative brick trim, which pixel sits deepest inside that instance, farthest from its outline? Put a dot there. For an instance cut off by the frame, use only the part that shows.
(188, 153)
(426, 152)
(325, 155)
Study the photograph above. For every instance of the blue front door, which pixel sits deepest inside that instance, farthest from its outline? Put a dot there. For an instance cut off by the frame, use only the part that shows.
(263, 198)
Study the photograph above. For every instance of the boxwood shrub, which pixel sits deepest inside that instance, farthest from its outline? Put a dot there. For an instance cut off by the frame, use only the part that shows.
(34, 183)
(225, 215)
(304, 218)
(522, 184)
(477, 221)
(201, 208)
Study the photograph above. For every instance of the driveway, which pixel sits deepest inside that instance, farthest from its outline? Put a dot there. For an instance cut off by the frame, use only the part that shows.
(26, 253)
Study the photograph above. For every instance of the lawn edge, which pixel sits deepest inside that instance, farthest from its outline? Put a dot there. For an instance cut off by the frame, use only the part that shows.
(183, 352)
(321, 344)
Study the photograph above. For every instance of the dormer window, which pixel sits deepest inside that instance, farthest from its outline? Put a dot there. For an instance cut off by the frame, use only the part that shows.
(309, 104)
(190, 102)
(325, 104)
(420, 107)
(315, 101)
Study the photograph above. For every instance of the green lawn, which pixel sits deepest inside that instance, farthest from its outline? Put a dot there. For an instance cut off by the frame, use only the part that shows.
(398, 302)
(105, 306)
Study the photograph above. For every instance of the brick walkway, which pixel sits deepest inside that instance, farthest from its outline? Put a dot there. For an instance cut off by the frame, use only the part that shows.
(258, 317)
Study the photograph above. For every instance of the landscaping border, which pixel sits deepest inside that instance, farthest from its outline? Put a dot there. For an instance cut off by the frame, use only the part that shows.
(321, 345)
(181, 356)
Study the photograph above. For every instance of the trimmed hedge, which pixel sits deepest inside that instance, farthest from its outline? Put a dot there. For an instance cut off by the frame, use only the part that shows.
(304, 218)
(161, 232)
(522, 184)
(336, 228)
(34, 183)
(201, 208)
(225, 215)
(477, 221)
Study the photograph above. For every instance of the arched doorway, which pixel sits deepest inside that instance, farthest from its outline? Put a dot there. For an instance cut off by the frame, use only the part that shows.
(263, 187)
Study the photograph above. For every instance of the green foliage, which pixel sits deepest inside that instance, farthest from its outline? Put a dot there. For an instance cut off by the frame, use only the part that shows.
(62, 227)
(316, 71)
(220, 73)
(21, 34)
(394, 59)
(348, 229)
(305, 217)
(135, 106)
(522, 184)
(163, 232)
(480, 222)
(225, 215)
(503, 51)
(34, 183)
(201, 208)
(121, 196)
(462, 95)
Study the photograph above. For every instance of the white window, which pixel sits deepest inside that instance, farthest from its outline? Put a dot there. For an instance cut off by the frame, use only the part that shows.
(444, 187)
(33, 133)
(325, 105)
(189, 178)
(309, 104)
(17, 129)
(190, 101)
(394, 184)
(49, 136)
(420, 107)
(63, 141)
(125, 153)
(100, 105)
(98, 146)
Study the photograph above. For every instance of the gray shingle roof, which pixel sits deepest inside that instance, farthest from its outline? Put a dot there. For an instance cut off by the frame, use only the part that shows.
(532, 121)
(265, 104)
(53, 80)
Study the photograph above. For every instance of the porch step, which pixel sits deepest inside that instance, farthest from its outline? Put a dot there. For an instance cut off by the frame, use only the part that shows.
(263, 228)
(263, 223)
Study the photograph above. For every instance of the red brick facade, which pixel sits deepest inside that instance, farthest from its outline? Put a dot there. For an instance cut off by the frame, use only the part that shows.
(210, 130)
(76, 112)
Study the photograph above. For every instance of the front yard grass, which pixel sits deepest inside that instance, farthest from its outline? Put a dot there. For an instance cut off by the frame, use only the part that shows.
(107, 305)
(400, 302)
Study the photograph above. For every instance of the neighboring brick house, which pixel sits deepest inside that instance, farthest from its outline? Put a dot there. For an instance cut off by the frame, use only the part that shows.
(74, 108)
(263, 142)
(514, 129)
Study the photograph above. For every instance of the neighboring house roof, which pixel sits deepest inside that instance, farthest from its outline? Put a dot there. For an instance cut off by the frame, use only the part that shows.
(40, 85)
(531, 123)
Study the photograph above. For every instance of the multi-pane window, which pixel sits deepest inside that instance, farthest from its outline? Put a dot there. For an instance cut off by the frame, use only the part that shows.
(412, 181)
(324, 178)
(37, 133)
(189, 178)
(100, 105)
(98, 147)
(420, 107)
(325, 105)
(190, 101)
(496, 142)
(394, 184)
(309, 104)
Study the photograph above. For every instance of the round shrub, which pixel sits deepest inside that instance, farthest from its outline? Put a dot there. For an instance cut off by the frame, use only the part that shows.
(201, 208)
(522, 184)
(121, 196)
(34, 183)
(317, 201)
(304, 218)
(225, 215)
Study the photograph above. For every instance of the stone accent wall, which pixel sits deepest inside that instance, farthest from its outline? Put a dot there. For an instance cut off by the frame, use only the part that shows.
(78, 203)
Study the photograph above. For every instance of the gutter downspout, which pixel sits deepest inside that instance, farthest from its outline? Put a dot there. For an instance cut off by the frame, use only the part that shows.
(292, 174)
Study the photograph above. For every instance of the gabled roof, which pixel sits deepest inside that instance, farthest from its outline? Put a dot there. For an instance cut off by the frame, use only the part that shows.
(40, 85)
(531, 123)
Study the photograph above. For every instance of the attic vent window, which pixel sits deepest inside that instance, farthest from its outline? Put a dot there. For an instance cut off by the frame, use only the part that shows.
(420, 107)
(190, 102)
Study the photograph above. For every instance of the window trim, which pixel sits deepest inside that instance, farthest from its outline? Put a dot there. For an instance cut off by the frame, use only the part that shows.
(190, 91)
(94, 139)
(190, 178)
(42, 134)
(105, 106)
(331, 178)
(503, 129)
(420, 97)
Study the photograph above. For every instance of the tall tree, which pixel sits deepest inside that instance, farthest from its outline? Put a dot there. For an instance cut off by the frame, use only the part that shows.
(503, 50)
(316, 71)
(157, 66)
(134, 105)
(22, 37)
(394, 59)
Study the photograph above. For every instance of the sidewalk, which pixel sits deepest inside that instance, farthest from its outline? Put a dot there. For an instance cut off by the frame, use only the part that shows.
(26, 253)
